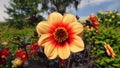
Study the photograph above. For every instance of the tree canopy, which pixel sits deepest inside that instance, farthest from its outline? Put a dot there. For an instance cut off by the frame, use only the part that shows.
(59, 5)
(27, 12)
(21, 11)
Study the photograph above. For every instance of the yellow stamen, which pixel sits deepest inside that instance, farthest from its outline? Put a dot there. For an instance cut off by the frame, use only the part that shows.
(18, 51)
(60, 35)
(23, 56)
(3, 56)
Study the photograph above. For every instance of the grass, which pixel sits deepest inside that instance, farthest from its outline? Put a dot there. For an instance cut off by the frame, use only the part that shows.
(9, 33)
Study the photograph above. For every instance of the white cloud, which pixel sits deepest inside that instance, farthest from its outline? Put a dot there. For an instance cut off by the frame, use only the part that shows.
(2, 9)
(91, 2)
(85, 3)
(71, 9)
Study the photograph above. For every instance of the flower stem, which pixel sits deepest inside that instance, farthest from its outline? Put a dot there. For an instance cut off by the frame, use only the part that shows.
(62, 63)
(26, 52)
(68, 62)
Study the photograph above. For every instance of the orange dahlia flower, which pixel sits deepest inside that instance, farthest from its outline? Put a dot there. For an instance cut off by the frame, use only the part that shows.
(109, 50)
(60, 35)
(94, 21)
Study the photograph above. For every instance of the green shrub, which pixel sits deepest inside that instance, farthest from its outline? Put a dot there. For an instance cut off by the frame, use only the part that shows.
(109, 18)
(98, 52)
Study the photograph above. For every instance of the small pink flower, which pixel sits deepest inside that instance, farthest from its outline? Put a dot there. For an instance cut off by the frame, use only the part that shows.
(17, 62)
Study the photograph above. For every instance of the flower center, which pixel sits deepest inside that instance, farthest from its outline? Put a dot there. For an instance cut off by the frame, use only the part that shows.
(60, 34)
(3, 56)
(23, 56)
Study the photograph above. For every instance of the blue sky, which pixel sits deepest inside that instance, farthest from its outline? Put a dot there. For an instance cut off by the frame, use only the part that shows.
(93, 6)
(84, 9)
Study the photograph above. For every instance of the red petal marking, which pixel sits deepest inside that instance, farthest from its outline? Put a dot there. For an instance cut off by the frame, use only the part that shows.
(68, 29)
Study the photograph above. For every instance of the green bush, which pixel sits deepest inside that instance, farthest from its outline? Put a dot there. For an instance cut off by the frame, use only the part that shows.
(109, 18)
(98, 52)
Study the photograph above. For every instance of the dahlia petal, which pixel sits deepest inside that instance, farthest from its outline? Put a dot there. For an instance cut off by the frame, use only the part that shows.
(44, 42)
(42, 39)
(69, 18)
(42, 27)
(64, 52)
(53, 54)
(109, 50)
(77, 45)
(55, 17)
(50, 50)
(77, 27)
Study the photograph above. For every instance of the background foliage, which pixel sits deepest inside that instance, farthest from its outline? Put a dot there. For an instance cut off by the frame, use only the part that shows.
(23, 13)
(109, 33)
(27, 12)
(109, 18)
